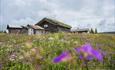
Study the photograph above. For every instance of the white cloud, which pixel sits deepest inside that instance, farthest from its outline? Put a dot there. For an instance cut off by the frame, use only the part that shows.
(78, 13)
(23, 21)
(1, 19)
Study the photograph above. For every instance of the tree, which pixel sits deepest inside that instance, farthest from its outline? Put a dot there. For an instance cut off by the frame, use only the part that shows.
(91, 31)
(95, 31)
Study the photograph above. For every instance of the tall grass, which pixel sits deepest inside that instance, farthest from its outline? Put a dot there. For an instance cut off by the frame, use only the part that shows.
(22, 52)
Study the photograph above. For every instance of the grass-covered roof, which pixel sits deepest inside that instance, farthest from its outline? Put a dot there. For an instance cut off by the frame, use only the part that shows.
(55, 22)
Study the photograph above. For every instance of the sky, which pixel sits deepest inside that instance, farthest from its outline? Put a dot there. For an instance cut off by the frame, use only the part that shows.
(98, 14)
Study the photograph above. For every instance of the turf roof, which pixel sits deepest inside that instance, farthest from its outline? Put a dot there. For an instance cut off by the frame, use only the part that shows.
(55, 22)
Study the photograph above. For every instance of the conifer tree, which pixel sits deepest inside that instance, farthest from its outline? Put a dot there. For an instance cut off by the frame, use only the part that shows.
(95, 31)
(91, 31)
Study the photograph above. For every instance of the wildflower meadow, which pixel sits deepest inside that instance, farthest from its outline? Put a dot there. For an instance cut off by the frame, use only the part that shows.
(58, 51)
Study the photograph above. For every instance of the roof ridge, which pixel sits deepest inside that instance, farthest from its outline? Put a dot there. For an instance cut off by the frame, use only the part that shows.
(57, 22)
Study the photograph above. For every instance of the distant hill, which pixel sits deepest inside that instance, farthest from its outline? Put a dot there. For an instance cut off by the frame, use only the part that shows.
(107, 32)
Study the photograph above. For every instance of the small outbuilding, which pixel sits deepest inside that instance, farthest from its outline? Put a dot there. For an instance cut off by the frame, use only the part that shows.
(16, 29)
(35, 29)
(29, 29)
(78, 30)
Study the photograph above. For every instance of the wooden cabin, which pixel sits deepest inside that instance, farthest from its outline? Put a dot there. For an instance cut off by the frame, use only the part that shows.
(16, 29)
(46, 25)
(85, 30)
(34, 29)
(29, 29)
(51, 25)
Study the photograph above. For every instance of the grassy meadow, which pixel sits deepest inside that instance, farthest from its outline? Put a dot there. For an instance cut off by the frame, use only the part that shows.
(36, 52)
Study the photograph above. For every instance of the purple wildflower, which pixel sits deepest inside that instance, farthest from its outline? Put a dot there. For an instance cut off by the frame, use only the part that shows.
(62, 57)
(87, 52)
(81, 57)
(90, 58)
(87, 58)
(87, 48)
(77, 49)
(97, 55)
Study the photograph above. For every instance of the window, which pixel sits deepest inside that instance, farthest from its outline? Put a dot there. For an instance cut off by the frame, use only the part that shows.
(45, 26)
